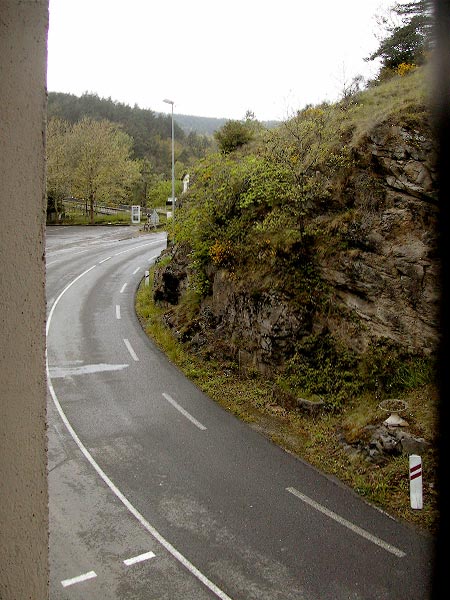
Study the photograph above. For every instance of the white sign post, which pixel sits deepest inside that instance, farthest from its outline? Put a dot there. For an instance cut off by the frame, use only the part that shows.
(415, 481)
(136, 214)
(154, 218)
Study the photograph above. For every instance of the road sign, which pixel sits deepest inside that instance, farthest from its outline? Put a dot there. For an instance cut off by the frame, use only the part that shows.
(136, 214)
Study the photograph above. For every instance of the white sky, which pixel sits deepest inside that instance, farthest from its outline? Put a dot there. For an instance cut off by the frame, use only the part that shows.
(212, 59)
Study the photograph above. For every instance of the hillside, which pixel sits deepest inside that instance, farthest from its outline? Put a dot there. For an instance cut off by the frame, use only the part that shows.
(151, 132)
(302, 281)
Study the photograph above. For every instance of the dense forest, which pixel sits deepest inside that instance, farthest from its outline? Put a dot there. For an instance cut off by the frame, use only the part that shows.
(99, 150)
(150, 131)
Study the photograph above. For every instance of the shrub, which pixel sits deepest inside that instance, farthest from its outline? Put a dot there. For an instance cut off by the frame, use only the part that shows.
(221, 253)
(405, 68)
(233, 135)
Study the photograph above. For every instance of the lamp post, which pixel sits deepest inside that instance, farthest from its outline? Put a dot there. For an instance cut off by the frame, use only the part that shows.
(173, 159)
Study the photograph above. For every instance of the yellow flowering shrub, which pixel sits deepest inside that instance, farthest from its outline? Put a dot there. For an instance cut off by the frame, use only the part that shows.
(405, 68)
(221, 253)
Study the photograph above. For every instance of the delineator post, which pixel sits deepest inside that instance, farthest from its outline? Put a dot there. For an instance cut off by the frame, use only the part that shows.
(415, 481)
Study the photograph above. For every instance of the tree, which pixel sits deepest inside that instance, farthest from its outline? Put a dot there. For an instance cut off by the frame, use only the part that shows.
(233, 135)
(98, 155)
(58, 176)
(151, 132)
(408, 40)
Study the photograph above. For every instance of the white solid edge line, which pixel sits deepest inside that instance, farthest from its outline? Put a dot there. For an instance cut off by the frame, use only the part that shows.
(137, 559)
(134, 356)
(184, 412)
(79, 579)
(158, 537)
(117, 311)
(52, 310)
(358, 530)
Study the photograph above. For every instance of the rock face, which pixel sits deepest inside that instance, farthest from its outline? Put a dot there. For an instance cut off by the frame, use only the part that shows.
(389, 275)
(383, 272)
(260, 326)
(171, 280)
(384, 442)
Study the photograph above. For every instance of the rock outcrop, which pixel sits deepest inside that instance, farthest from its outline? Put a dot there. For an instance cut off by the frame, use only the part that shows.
(389, 276)
(382, 267)
(378, 443)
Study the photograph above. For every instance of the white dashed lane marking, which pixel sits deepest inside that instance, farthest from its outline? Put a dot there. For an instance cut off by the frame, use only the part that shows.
(79, 579)
(134, 356)
(116, 491)
(92, 574)
(358, 530)
(137, 559)
(184, 412)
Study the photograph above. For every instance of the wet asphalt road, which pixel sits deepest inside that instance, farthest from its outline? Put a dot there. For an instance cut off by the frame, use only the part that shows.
(158, 492)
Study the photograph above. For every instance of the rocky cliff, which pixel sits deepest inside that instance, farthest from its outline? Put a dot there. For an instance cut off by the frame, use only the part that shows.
(387, 280)
(377, 262)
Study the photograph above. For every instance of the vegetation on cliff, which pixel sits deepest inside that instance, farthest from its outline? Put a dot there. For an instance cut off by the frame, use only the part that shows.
(273, 211)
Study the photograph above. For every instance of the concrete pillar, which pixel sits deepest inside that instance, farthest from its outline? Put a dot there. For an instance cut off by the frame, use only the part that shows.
(23, 440)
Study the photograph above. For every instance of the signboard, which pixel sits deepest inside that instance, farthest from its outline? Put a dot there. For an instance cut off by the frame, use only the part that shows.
(135, 214)
(170, 201)
(154, 218)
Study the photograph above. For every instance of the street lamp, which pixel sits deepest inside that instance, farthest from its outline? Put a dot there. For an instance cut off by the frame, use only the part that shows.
(173, 159)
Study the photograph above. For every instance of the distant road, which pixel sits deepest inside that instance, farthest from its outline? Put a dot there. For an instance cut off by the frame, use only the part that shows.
(157, 492)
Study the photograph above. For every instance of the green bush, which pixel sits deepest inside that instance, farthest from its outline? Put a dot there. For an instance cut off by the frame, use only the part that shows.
(322, 367)
(233, 135)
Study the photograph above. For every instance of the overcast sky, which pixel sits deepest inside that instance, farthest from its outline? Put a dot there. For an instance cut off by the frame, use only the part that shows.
(214, 59)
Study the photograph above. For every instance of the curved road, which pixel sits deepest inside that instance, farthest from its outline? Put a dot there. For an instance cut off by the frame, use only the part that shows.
(156, 492)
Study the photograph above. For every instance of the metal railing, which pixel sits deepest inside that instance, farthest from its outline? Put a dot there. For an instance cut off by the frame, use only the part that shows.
(102, 209)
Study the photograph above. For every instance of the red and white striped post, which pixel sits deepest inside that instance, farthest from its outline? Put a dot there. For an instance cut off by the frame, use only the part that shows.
(415, 481)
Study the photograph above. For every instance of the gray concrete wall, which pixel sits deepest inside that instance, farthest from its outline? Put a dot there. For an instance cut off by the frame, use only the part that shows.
(23, 462)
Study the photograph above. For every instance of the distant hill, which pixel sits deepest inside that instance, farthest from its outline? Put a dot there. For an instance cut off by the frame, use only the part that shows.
(208, 125)
(200, 125)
